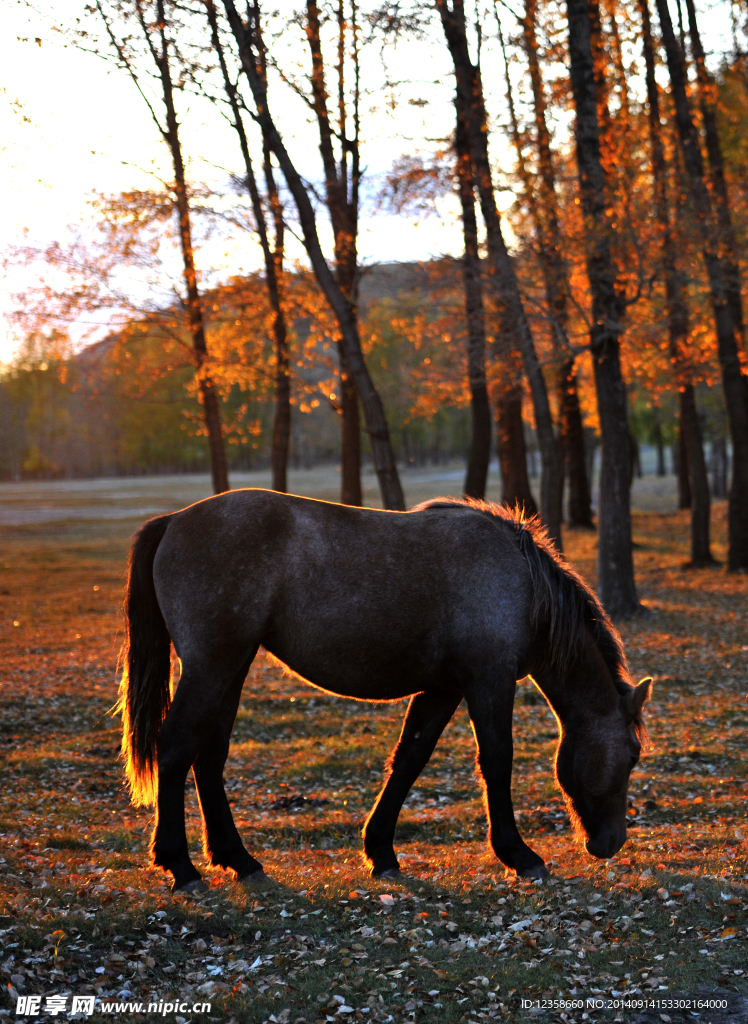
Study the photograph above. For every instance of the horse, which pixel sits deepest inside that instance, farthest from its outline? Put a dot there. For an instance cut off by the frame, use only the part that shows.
(452, 600)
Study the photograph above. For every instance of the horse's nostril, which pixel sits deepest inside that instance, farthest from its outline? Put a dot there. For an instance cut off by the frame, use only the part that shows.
(604, 846)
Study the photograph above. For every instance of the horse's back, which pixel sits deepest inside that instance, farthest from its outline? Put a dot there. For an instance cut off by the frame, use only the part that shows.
(387, 594)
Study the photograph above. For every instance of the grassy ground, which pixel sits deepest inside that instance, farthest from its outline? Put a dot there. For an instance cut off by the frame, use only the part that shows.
(80, 912)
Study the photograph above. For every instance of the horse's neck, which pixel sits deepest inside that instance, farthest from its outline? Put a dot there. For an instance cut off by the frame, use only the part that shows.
(584, 687)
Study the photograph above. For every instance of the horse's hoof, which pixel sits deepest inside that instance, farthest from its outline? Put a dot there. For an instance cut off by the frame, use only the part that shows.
(257, 880)
(536, 871)
(196, 885)
(394, 873)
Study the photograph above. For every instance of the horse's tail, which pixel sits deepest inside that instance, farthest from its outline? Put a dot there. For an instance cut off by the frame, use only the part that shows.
(145, 657)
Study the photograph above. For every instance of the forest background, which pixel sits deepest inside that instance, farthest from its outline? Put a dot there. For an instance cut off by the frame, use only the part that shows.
(597, 254)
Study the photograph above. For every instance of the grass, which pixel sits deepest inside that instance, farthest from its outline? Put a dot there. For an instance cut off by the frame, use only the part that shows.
(458, 941)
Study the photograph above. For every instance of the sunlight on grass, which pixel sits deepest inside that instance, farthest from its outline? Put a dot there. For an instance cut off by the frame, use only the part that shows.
(456, 940)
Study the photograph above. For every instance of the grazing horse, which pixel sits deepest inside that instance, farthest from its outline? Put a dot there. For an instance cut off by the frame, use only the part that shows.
(452, 600)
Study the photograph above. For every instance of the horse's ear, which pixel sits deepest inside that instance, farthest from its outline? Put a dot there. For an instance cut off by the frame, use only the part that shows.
(640, 695)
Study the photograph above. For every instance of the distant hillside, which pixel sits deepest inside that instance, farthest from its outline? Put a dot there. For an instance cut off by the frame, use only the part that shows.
(388, 280)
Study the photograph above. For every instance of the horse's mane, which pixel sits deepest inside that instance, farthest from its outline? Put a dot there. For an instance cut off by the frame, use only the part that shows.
(563, 606)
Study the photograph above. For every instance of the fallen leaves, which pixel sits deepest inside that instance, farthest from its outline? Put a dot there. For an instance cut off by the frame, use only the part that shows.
(75, 858)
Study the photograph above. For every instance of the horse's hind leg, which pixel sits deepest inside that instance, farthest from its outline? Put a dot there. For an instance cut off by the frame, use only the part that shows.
(179, 742)
(222, 844)
(490, 706)
(198, 708)
(425, 721)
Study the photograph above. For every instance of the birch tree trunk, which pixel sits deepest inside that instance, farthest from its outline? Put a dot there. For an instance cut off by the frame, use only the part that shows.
(515, 482)
(615, 557)
(341, 194)
(249, 42)
(544, 208)
(728, 327)
(502, 277)
(691, 447)
(273, 259)
(208, 395)
(720, 196)
(480, 410)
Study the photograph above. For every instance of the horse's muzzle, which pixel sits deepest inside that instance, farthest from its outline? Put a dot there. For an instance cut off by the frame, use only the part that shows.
(606, 843)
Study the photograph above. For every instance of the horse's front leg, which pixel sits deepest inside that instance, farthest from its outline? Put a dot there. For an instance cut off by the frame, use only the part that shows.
(490, 706)
(425, 721)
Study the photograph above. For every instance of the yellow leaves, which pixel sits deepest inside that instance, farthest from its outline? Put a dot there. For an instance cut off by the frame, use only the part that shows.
(56, 937)
(416, 344)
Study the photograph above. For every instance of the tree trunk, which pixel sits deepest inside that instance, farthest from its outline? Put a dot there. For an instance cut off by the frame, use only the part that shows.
(501, 274)
(341, 194)
(635, 466)
(693, 483)
(572, 435)
(479, 454)
(719, 466)
(273, 267)
(350, 436)
(212, 415)
(615, 557)
(250, 46)
(681, 461)
(545, 212)
(720, 196)
(281, 429)
(208, 396)
(591, 454)
(728, 328)
(282, 415)
(515, 483)
(701, 554)
(659, 445)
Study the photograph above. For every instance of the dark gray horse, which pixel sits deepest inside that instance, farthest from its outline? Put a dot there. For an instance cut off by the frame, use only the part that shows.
(452, 600)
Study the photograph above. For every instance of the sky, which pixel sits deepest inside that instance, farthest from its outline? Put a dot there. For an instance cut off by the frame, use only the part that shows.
(72, 124)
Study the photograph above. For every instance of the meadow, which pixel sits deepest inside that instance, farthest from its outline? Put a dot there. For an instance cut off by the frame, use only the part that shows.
(81, 912)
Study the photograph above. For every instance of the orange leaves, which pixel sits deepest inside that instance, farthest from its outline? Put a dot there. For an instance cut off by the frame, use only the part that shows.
(415, 345)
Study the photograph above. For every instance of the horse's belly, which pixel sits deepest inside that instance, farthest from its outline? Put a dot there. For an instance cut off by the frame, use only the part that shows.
(356, 675)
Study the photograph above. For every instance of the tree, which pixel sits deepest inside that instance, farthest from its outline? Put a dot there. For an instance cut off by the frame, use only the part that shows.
(250, 45)
(707, 92)
(691, 448)
(480, 410)
(273, 259)
(502, 277)
(508, 390)
(342, 183)
(721, 289)
(515, 482)
(543, 204)
(615, 559)
(154, 25)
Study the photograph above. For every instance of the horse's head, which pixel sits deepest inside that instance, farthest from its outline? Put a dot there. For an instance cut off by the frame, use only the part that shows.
(594, 759)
